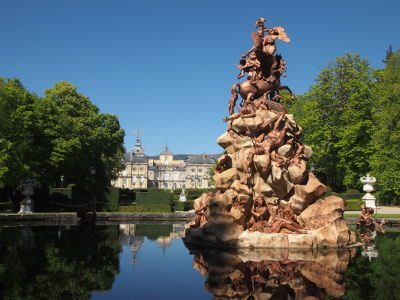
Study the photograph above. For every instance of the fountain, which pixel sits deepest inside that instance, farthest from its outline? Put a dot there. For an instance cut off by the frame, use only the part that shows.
(266, 196)
(182, 195)
(369, 199)
(28, 189)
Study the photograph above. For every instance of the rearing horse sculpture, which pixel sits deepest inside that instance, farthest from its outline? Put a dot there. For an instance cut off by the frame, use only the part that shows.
(249, 90)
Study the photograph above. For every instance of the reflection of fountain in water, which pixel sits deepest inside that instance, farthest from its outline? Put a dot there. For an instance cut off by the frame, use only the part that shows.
(273, 273)
(367, 230)
(367, 235)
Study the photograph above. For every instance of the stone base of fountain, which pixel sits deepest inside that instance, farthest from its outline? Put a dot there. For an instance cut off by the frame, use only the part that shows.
(225, 227)
(267, 199)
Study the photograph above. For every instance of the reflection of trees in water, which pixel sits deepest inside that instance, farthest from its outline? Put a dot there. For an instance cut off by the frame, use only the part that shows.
(272, 274)
(380, 278)
(58, 263)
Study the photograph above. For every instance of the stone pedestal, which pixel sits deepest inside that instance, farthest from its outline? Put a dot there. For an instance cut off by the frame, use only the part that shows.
(370, 201)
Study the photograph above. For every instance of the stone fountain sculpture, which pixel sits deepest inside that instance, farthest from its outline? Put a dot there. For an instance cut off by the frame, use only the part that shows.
(368, 198)
(182, 196)
(266, 196)
(28, 189)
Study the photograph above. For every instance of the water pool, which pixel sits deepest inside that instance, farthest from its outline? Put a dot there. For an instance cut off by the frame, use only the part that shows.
(150, 261)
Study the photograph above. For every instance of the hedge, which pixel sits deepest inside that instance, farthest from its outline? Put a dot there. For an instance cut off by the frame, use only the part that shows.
(196, 193)
(69, 199)
(111, 201)
(184, 206)
(351, 194)
(354, 204)
(73, 198)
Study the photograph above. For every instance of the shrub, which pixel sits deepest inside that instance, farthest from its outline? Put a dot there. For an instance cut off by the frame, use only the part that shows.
(196, 193)
(126, 196)
(184, 206)
(6, 206)
(111, 200)
(74, 198)
(61, 193)
(351, 194)
(61, 199)
(353, 204)
(161, 197)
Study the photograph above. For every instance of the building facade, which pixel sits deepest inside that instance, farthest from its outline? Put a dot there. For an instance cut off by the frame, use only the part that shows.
(166, 171)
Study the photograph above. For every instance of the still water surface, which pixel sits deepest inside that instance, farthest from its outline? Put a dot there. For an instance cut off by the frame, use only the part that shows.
(150, 261)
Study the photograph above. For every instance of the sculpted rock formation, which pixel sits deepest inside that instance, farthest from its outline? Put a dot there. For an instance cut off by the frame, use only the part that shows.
(265, 194)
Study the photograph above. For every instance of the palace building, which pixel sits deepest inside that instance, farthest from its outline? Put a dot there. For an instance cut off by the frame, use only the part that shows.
(166, 171)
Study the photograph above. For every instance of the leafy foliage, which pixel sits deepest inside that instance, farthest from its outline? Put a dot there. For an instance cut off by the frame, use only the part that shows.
(62, 134)
(336, 117)
(377, 279)
(385, 161)
(58, 262)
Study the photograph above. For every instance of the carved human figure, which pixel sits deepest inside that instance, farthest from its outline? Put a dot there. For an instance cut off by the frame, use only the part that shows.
(266, 143)
(259, 215)
(365, 219)
(247, 111)
(252, 66)
(279, 222)
(299, 154)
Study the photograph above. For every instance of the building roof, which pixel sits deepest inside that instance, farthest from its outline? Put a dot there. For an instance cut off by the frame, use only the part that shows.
(166, 151)
(138, 148)
(132, 157)
(202, 159)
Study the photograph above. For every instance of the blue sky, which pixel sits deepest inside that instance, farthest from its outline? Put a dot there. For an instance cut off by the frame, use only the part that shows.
(167, 66)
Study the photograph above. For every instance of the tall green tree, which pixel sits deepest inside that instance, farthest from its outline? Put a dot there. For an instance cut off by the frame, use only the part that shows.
(83, 138)
(336, 117)
(62, 134)
(385, 161)
(16, 139)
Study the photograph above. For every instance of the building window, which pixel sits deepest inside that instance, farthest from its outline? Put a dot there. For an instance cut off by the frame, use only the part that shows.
(200, 170)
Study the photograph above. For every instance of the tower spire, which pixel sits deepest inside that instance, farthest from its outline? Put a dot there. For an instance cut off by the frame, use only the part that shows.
(138, 148)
